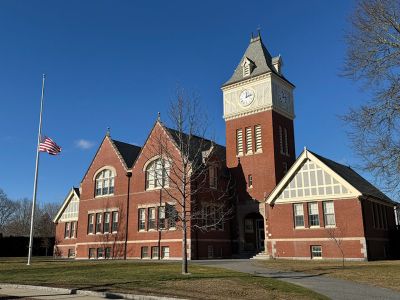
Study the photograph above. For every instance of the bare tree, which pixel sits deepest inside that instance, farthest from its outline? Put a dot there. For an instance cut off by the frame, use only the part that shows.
(373, 58)
(113, 236)
(184, 174)
(19, 225)
(7, 209)
(336, 234)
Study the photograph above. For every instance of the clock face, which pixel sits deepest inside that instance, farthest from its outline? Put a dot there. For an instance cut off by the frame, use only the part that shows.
(246, 97)
(284, 98)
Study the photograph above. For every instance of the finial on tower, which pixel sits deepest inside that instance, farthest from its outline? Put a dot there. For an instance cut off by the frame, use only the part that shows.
(108, 132)
(259, 31)
(158, 116)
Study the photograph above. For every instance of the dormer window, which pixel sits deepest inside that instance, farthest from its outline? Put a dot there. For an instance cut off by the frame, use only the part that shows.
(247, 66)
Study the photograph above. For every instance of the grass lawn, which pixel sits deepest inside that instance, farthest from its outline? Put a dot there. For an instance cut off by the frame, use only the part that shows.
(379, 273)
(149, 278)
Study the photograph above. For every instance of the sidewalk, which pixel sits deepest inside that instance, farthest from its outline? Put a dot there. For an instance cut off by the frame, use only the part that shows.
(28, 292)
(330, 287)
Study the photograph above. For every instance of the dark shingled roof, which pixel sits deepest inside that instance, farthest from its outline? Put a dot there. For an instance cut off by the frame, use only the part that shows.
(128, 152)
(196, 143)
(77, 191)
(261, 58)
(352, 177)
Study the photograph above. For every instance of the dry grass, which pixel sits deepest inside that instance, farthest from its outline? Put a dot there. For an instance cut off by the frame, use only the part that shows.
(379, 273)
(150, 278)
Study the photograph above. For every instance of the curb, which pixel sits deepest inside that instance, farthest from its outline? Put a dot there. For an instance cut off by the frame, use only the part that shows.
(106, 295)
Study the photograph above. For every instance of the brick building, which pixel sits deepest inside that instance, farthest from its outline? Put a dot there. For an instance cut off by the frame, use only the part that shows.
(309, 207)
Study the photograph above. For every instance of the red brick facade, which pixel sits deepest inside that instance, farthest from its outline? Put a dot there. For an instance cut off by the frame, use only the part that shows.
(127, 222)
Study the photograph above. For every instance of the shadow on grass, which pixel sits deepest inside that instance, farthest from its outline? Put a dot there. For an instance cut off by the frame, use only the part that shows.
(289, 275)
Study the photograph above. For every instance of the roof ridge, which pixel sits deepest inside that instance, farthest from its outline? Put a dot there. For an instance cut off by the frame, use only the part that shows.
(194, 135)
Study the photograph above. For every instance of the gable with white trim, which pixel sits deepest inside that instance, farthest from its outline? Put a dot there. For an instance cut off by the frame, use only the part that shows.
(310, 179)
(69, 210)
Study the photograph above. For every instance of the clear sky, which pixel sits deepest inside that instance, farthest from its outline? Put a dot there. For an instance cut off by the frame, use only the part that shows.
(117, 63)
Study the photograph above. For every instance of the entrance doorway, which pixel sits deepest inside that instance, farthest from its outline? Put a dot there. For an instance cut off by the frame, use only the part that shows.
(254, 232)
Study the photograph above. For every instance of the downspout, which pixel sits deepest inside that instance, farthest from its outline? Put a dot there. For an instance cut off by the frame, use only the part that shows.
(129, 175)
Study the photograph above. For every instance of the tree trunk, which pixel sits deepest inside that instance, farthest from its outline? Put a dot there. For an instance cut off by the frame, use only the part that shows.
(184, 249)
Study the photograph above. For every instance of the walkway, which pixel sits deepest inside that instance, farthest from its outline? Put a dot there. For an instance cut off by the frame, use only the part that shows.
(26, 292)
(330, 287)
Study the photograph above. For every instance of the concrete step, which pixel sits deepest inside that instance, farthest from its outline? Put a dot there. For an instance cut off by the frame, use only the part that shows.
(261, 255)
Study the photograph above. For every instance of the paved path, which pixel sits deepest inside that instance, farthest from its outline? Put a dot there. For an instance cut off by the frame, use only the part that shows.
(26, 292)
(330, 287)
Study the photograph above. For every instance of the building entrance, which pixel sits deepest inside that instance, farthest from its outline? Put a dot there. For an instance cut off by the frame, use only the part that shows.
(254, 234)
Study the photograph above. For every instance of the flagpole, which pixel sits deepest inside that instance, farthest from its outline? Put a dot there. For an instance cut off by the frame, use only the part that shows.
(36, 174)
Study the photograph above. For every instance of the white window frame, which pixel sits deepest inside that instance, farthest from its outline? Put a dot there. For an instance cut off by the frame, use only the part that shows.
(104, 183)
(99, 221)
(114, 221)
(157, 174)
(249, 141)
(329, 211)
(313, 212)
(296, 214)
(164, 252)
(142, 219)
(107, 219)
(151, 222)
(316, 249)
(239, 142)
(91, 222)
(258, 138)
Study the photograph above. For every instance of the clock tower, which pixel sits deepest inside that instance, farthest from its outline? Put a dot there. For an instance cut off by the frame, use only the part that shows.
(259, 114)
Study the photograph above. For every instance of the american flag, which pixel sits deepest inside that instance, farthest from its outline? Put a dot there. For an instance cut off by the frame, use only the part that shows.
(49, 146)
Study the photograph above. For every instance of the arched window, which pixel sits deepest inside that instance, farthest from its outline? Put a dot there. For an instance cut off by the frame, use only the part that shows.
(157, 174)
(104, 183)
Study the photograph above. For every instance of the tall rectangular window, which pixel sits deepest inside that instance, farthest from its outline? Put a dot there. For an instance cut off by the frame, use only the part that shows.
(281, 140)
(171, 214)
(212, 176)
(329, 213)
(92, 253)
(106, 222)
(91, 223)
(107, 252)
(298, 215)
(144, 252)
(313, 216)
(152, 218)
(257, 133)
(115, 216)
(239, 142)
(164, 252)
(154, 252)
(250, 181)
(161, 217)
(285, 136)
(249, 141)
(142, 219)
(67, 231)
(100, 253)
(73, 229)
(98, 222)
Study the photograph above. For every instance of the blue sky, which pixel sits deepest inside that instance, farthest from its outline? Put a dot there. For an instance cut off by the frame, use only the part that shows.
(117, 63)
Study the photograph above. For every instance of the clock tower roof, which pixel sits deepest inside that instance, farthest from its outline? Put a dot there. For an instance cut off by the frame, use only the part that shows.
(261, 59)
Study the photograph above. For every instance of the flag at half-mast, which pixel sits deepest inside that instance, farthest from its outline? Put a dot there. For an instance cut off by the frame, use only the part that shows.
(49, 146)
